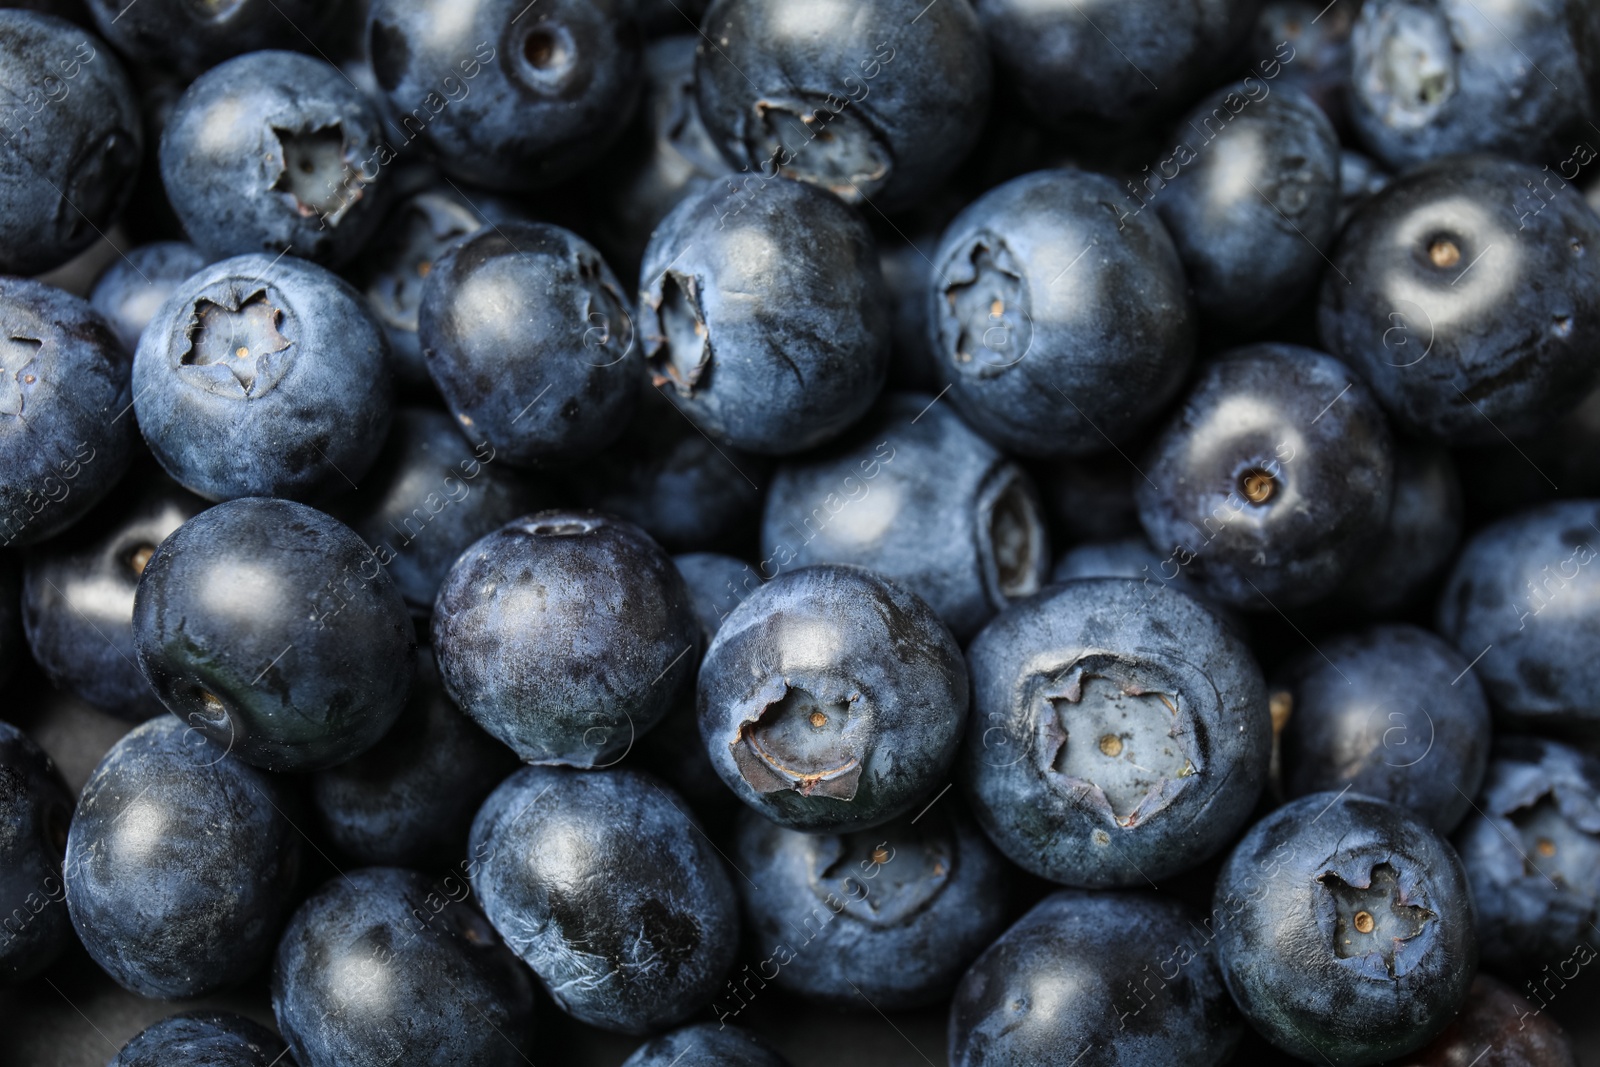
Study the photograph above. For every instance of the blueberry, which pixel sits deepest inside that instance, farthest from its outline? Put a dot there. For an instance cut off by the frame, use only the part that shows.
(263, 377)
(793, 369)
(273, 630)
(66, 425)
(1252, 199)
(890, 916)
(428, 497)
(917, 497)
(502, 100)
(1531, 849)
(202, 1039)
(1059, 314)
(1495, 1018)
(1073, 69)
(408, 801)
(1467, 295)
(1132, 557)
(188, 37)
(379, 966)
(1390, 711)
(832, 699)
(1433, 77)
(704, 1045)
(1345, 929)
(1173, 745)
(35, 812)
(1319, 60)
(1272, 478)
(1420, 536)
(72, 141)
(614, 897)
(274, 152)
(180, 863)
(1082, 979)
(1520, 603)
(78, 593)
(776, 91)
(567, 635)
(132, 289)
(527, 335)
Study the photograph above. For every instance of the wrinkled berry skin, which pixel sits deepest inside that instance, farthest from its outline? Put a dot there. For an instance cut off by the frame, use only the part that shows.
(1500, 1028)
(919, 498)
(380, 964)
(1431, 78)
(70, 140)
(1532, 854)
(853, 98)
(892, 915)
(202, 1039)
(429, 496)
(527, 334)
(1250, 213)
(35, 811)
(1390, 711)
(273, 630)
(180, 863)
(132, 288)
(1420, 536)
(66, 424)
(1071, 983)
(504, 101)
(78, 590)
(614, 897)
(1290, 907)
(1098, 64)
(566, 635)
(787, 372)
(1271, 498)
(704, 1044)
(1527, 586)
(301, 415)
(272, 151)
(408, 801)
(1468, 301)
(1047, 353)
(188, 37)
(832, 699)
(1174, 749)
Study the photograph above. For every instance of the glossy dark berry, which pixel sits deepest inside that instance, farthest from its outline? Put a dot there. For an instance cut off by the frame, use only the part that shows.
(35, 813)
(273, 630)
(132, 289)
(702, 1043)
(206, 1039)
(180, 863)
(832, 699)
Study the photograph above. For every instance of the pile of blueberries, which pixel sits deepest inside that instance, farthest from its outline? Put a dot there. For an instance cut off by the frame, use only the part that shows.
(1072, 515)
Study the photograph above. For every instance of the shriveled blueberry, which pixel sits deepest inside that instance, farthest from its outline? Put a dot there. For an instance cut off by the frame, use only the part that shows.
(919, 498)
(613, 895)
(704, 1044)
(180, 863)
(35, 812)
(273, 630)
(1083, 979)
(529, 338)
(66, 418)
(832, 699)
(567, 635)
(1420, 535)
(132, 288)
(876, 101)
(792, 369)
(1390, 711)
(264, 377)
(70, 140)
(203, 1039)
(1345, 929)
(1119, 733)
(274, 152)
(78, 592)
(380, 965)
(1060, 317)
(189, 36)
(890, 916)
